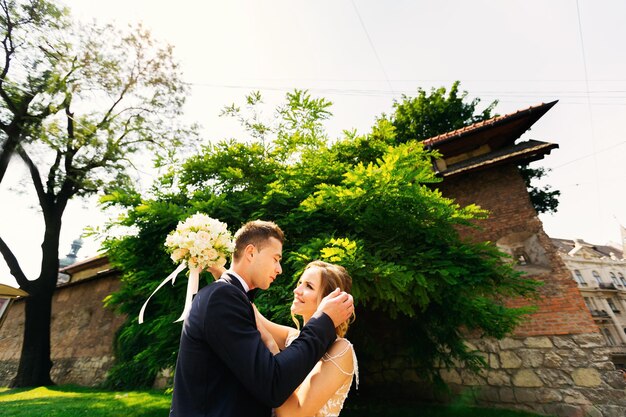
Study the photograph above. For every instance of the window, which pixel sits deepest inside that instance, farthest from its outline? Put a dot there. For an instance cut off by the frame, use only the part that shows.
(614, 279)
(589, 303)
(608, 336)
(579, 277)
(596, 276)
(612, 305)
(621, 278)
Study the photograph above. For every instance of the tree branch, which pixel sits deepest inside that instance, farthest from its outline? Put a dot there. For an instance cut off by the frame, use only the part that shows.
(107, 115)
(14, 266)
(9, 49)
(70, 124)
(34, 174)
(53, 169)
(68, 189)
(68, 186)
(8, 147)
(97, 163)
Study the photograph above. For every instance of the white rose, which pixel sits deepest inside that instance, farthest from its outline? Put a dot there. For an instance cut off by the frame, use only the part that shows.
(203, 236)
(211, 254)
(179, 254)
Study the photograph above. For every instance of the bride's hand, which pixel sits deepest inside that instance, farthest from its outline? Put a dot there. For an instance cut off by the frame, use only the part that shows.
(266, 336)
(216, 271)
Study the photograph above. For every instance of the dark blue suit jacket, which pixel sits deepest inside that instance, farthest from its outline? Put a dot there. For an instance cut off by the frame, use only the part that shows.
(223, 367)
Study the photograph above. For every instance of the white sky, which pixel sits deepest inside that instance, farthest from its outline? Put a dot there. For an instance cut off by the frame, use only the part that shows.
(361, 54)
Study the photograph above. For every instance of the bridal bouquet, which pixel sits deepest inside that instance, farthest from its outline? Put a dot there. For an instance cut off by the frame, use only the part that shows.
(198, 243)
(201, 241)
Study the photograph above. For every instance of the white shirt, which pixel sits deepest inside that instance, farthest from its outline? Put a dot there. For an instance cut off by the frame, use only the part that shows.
(241, 281)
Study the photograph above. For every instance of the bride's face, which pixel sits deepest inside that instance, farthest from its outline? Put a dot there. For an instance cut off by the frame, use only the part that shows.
(306, 296)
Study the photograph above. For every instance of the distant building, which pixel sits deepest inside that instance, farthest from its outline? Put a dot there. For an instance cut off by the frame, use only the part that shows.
(600, 273)
(69, 259)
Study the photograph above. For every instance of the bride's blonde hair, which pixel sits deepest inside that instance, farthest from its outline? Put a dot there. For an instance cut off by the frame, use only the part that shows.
(333, 276)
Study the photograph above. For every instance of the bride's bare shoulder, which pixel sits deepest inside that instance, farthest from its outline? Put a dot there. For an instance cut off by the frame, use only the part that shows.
(340, 345)
(340, 351)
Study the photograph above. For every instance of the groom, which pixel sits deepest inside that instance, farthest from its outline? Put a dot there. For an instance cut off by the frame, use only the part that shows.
(223, 367)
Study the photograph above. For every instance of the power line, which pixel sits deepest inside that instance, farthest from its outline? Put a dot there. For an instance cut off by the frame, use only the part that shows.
(589, 155)
(593, 141)
(440, 80)
(561, 94)
(369, 39)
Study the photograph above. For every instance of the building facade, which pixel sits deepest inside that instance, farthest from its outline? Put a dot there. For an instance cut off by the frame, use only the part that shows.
(600, 274)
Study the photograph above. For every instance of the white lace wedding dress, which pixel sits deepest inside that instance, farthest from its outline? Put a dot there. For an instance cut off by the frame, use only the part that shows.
(333, 406)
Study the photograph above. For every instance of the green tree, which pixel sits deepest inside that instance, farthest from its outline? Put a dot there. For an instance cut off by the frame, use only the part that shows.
(25, 26)
(77, 102)
(544, 199)
(364, 202)
(427, 115)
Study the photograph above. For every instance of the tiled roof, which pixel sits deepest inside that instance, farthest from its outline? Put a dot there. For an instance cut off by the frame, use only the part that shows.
(566, 245)
(562, 245)
(96, 260)
(538, 110)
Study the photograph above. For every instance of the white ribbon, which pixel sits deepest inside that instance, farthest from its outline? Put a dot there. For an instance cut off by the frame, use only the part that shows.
(192, 289)
(170, 277)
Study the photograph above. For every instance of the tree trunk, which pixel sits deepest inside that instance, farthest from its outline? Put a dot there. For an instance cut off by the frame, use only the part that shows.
(35, 364)
(6, 152)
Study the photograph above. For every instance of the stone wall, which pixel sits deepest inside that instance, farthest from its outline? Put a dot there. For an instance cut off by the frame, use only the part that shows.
(564, 376)
(568, 375)
(82, 333)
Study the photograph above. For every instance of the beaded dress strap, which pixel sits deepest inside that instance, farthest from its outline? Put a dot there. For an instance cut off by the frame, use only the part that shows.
(355, 365)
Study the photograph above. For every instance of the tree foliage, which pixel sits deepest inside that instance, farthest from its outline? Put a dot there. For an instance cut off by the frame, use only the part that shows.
(544, 199)
(428, 115)
(24, 27)
(76, 103)
(365, 202)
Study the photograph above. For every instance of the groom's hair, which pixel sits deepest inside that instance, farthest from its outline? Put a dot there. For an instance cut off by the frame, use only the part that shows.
(257, 233)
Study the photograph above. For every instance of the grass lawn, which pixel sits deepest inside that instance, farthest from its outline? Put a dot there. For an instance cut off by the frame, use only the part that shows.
(73, 401)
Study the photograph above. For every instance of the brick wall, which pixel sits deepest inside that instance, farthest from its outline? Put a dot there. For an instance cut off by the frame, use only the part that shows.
(82, 333)
(502, 192)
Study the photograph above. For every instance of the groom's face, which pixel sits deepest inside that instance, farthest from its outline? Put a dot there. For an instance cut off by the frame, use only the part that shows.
(265, 263)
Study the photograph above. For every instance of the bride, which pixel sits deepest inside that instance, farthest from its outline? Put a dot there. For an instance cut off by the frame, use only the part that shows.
(325, 389)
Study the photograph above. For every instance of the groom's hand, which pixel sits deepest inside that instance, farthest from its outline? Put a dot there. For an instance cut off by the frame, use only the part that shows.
(338, 305)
